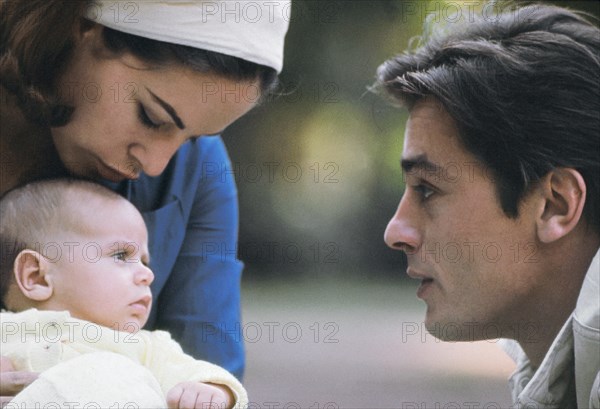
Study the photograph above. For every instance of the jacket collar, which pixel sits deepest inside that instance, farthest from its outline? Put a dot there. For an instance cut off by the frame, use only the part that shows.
(587, 311)
(552, 384)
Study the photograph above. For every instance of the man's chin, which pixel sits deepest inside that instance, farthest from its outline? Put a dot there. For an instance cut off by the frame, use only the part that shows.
(435, 329)
(441, 328)
(454, 331)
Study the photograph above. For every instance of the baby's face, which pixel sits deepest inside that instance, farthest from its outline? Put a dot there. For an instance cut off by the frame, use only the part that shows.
(102, 274)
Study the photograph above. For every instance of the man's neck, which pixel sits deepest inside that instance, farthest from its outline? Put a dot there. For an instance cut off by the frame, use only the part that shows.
(556, 304)
(538, 344)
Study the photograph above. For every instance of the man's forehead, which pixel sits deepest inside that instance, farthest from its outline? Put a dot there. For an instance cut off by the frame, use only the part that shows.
(429, 112)
(432, 139)
(428, 102)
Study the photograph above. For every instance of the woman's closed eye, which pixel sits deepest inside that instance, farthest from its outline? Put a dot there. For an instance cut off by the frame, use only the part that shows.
(145, 119)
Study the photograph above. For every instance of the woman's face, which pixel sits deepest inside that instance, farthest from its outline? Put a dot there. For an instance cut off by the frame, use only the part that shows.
(129, 118)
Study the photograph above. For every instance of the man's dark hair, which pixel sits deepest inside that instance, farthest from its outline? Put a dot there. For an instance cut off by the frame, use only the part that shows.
(524, 89)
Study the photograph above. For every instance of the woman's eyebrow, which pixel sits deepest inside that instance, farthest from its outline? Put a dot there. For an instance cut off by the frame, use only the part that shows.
(170, 110)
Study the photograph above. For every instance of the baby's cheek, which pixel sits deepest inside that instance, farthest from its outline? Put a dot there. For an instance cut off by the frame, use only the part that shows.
(6, 365)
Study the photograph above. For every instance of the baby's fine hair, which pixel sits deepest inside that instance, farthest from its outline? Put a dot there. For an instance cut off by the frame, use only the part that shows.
(36, 213)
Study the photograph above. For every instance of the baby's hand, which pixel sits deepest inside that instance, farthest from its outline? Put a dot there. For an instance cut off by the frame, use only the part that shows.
(197, 395)
(11, 382)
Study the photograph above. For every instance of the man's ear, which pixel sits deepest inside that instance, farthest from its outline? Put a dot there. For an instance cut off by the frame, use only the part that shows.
(30, 269)
(563, 192)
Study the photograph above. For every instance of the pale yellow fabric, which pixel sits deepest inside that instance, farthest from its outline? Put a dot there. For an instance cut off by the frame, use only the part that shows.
(94, 380)
(39, 340)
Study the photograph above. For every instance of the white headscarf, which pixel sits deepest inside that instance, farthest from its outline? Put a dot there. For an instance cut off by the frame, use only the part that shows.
(251, 30)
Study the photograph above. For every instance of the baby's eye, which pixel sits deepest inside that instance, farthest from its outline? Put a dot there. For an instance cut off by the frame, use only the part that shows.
(120, 256)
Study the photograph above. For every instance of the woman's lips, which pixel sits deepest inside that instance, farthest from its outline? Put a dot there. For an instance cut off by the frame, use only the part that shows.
(109, 173)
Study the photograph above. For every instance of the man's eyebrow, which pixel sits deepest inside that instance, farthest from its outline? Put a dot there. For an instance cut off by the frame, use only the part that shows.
(419, 162)
(170, 110)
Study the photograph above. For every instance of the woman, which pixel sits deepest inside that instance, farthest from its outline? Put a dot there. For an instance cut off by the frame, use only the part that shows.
(119, 92)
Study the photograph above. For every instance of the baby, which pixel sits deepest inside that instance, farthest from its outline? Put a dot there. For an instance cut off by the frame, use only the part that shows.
(74, 274)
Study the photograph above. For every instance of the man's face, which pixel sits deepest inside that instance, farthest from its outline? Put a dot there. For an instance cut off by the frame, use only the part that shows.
(101, 273)
(476, 265)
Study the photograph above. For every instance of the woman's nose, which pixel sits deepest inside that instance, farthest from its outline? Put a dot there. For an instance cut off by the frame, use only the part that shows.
(154, 156)
(402, 232)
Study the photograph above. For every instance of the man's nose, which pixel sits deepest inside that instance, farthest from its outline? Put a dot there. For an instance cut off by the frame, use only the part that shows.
(402, 232)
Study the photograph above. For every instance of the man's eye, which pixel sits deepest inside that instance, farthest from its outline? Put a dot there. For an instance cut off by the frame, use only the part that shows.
(145, 119)
(424, 191)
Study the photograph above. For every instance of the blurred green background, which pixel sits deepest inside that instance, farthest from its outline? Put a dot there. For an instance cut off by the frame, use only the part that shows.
(318, 166)
(329, 319)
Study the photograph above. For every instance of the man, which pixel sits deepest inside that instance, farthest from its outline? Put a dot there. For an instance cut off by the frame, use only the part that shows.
(500, 217)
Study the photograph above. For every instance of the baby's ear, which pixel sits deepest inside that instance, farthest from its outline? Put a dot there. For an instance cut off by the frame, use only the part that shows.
(30, 270)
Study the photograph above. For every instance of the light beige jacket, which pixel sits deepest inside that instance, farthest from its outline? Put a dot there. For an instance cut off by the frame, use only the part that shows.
(569, 376)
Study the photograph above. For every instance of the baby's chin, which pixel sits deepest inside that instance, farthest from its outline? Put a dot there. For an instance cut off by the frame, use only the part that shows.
(132, 326)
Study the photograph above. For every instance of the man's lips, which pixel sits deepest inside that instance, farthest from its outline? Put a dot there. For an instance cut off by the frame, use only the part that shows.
(417, 275)
(426, 281)
(426, 284)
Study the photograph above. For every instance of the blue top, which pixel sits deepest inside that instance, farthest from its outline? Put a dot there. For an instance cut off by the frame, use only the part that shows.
(191, 212)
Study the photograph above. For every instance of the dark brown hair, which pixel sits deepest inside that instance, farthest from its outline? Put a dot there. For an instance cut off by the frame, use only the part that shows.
(37, 39)
(524, 89)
